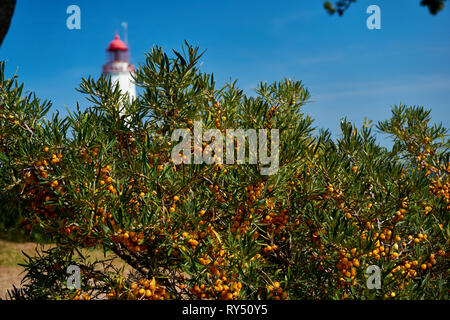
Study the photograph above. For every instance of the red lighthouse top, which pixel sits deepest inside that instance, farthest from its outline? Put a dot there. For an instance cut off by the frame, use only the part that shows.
(117, 45)
(118, 57)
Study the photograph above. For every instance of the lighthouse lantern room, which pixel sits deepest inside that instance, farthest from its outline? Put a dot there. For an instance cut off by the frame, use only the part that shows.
(118, 67)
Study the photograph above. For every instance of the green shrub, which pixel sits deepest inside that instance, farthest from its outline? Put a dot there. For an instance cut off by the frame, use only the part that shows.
(104, 177)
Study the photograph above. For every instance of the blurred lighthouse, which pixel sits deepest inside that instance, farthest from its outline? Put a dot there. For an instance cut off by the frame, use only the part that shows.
(118, 67)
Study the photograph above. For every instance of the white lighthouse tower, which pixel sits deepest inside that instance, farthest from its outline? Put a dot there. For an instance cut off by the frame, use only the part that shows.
(118, 67)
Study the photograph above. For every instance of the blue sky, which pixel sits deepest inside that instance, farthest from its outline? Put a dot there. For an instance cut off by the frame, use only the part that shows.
(351, 71)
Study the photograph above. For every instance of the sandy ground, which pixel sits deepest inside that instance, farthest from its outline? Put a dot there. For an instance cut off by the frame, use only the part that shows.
(9, 276)
(10, 255)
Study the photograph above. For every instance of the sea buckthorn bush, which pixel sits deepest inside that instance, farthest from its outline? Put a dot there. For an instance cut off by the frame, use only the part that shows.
(103, 177)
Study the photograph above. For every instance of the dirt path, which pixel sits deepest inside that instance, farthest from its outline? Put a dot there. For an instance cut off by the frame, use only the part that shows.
(11, 255)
